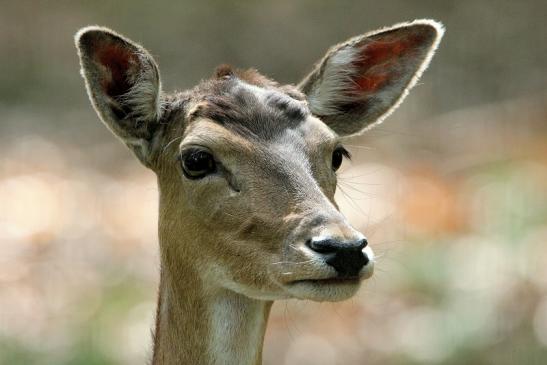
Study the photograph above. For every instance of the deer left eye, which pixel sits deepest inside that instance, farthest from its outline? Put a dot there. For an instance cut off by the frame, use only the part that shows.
(196, 164)
(338, 156)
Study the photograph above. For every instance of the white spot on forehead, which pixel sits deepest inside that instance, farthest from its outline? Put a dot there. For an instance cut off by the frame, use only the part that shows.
(313, 126)
(311, 131)
(309, 136)
(257, 91)
(265, 95)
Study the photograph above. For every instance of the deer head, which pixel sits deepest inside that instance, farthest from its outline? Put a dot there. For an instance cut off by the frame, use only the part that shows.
(247, 167)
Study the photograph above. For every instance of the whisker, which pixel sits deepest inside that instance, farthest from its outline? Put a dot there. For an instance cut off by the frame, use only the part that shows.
(365, 197)
(351, 201)
(286, 316)
(362, 147)
(171, 141)
(230, 215)
(359, 182)
(368, 173)
(291, 262)
(294, 247)
(401, 133)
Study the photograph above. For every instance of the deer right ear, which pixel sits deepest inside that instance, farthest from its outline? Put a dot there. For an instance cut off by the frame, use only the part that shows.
(123, 83)
(361, 81)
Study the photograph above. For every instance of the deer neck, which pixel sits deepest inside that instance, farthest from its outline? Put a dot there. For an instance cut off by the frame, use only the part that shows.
(200, 324)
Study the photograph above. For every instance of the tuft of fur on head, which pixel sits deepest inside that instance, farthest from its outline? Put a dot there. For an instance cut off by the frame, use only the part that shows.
(223, 71)
(250, 76)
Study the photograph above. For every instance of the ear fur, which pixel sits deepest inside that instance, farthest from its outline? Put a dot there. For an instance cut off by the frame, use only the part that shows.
(360, 82)
(123, 83)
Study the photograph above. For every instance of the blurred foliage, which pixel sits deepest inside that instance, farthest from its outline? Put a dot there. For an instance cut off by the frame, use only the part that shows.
(450, 190)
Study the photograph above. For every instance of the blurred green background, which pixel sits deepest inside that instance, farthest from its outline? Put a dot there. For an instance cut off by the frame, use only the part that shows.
(451, 190)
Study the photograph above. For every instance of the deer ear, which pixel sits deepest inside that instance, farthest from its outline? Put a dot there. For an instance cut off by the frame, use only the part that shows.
(123, 83)
(361, 81)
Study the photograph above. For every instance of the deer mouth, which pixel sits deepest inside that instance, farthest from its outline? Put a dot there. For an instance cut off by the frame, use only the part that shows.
(330, 287)
(331, 281)
(336, 280)
(319, 290)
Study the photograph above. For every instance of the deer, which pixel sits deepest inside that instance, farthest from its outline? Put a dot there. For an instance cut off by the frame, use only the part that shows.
(247, 171)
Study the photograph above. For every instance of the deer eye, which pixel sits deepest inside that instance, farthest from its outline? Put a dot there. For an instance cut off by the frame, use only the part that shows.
(197, 163)
(338, 156)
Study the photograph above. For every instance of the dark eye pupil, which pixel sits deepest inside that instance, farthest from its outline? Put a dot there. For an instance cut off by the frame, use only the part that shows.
(197, 164)
(198, 161)
(337, 157)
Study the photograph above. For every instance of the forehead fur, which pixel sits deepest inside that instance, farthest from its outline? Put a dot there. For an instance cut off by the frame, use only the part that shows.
(248, 103)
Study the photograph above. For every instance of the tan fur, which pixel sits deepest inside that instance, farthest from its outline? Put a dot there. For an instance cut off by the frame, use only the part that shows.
(235, 240)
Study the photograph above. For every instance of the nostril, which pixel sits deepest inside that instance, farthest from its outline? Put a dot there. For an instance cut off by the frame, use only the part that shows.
(362, 243)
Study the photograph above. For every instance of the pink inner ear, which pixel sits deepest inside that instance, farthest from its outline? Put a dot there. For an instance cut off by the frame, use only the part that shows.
(118, 60)
(380, 61)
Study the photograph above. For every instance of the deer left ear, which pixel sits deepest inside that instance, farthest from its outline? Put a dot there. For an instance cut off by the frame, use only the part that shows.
(123, 83)
(361, 81)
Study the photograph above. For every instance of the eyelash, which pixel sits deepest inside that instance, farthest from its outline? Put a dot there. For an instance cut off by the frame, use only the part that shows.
(345, 152)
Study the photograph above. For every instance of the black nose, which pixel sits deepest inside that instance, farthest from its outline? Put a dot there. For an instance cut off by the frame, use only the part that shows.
(346, 257)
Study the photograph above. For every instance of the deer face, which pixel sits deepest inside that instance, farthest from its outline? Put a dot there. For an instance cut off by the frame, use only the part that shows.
(256, 175)
(246, 168)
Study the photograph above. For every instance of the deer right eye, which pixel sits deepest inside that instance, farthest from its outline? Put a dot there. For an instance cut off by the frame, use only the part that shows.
(338, 156)
(197, 164)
